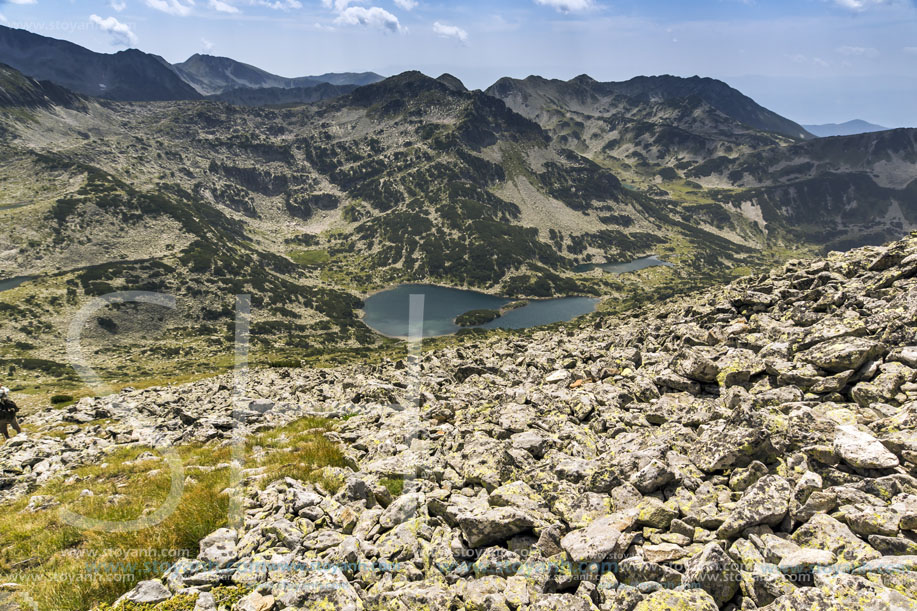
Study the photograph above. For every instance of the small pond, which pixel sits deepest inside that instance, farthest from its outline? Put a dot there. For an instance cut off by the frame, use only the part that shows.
(11, 283)
(623, 268)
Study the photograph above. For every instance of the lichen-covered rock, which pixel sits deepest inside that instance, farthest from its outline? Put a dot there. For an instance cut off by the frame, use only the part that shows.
(675, 600)
(219, 548)
(593, 543)
(714, 571)
(494, 525)
(825, 533)
(840, 592)
(842, 354)
(861, 450)
(766, 502)
(147, 592)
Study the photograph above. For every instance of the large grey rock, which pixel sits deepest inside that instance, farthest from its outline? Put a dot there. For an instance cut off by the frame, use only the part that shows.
(326, 588)
(825, 533)
(674, 600)
(841, 354)
(861, 450)
(593, 543)
(401, 510)
(148, 592)
(714, 571)
(219, 548)
(766, 502)
(493, 526)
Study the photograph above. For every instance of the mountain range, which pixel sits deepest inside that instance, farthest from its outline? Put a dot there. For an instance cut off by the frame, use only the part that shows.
(133, 75)
(850, 128)
(309, 198)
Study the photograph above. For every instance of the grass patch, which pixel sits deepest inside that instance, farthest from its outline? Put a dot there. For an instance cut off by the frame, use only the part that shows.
(395, 485)
(66, 568)
(310, 258)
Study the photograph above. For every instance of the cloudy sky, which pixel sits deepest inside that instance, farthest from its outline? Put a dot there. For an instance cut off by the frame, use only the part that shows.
(812, 60)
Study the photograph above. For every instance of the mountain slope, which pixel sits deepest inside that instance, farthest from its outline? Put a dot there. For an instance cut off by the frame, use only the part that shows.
(718, 94)
(212, 75)
(850, 128)
(841, 191)
(585, 94)
(310, 208)
(126, 76)
(18, 90)
(279, 96)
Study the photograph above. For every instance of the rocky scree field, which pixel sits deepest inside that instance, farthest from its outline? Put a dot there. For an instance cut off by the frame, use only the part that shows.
(748, 447)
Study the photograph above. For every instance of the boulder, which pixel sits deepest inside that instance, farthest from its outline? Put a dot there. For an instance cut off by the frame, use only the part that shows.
(675, 600)
(219, 548)
(841, 354)
(493, 526)
(593, 543)
(148, 592)
(766, 502)
(713, 571)
(825, 533)
(861, 450)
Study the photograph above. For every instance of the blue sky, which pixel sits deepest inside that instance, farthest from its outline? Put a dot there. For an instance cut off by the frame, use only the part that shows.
(811, 60)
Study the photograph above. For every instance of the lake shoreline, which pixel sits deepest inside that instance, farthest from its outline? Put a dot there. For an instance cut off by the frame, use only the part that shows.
(386, 312)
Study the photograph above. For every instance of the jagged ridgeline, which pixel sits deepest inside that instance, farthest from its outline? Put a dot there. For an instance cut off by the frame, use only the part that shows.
(310, 207)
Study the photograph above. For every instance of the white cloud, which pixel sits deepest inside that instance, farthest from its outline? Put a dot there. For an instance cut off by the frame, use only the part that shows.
(206, 45)
(339, 5)
(3, 18)
(280, 5)
(862, 5)
(117, 5)
(799, 58)
(223, 7)
(858, 51)
(568, 6)
(22, 1)
(450, 31)
(373, 17)
(121, 33)
(408, 5)
(172, 7)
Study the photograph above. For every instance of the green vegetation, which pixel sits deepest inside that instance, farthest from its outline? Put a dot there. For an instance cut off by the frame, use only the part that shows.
(395, 485)
(474, 318)
(310, 258)
(124, 488)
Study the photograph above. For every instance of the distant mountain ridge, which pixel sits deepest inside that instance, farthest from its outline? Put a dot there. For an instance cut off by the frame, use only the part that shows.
(281, 96)
(211, 75)
(128, 76)
(850, 128)
(135, 76)
(587, 94)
